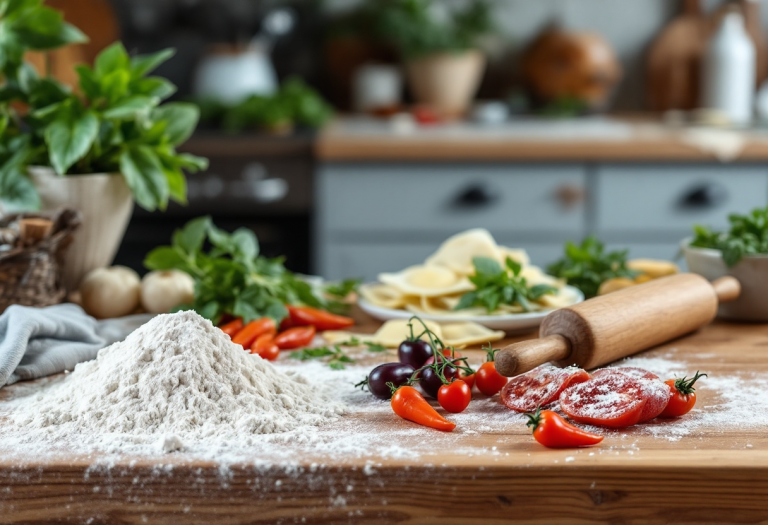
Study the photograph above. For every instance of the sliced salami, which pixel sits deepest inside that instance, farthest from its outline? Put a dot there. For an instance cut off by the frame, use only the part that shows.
(539, 387)
(610, 400)
(655, 391)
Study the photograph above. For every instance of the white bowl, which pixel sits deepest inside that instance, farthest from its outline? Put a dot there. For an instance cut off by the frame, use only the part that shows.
(751, 271)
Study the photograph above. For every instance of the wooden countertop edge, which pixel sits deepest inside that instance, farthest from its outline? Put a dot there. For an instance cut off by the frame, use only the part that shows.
(343, 149)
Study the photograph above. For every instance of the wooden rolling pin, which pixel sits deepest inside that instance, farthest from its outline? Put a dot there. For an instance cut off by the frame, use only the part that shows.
(612, 326)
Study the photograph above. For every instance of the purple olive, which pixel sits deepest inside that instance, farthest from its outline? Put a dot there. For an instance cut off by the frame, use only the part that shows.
(430, 382)
(395, 373)
(414, 353)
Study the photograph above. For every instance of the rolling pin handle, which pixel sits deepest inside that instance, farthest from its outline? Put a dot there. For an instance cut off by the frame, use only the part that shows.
(521, 357)
(726, 288)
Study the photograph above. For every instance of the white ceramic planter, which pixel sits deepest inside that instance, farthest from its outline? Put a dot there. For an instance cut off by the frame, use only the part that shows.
(106, 204)
(446, 82)
(752, 273)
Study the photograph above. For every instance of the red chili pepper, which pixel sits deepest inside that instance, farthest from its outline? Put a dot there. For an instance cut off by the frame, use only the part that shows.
(320, 319)
(254, 329)
(232, 327)
(552, 431)
(265, 346)
(409, 404)
(295, 337)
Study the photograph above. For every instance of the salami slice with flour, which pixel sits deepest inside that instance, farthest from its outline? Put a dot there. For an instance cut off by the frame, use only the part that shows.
(539, 387)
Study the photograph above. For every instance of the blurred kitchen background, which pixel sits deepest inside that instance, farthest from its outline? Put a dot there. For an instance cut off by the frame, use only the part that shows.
(353, 136)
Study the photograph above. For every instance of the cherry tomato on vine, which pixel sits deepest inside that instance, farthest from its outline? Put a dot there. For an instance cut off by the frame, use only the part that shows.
(553, 431)
(488, 380)
(454, 397)
(683, 396)
(465, 376)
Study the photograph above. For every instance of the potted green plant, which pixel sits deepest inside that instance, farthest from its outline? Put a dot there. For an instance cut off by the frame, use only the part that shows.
(440, 47)
(742, 252)
(95, 148)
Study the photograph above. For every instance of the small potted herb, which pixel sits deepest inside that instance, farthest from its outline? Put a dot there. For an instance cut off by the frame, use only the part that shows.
(97, 147)
(440, 47)
(742, 252)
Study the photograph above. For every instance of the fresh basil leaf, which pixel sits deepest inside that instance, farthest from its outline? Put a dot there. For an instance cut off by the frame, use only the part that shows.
(129, 107)
(144, 175)
(165, 258)
(153, 87)
(114, 85)
(181, 117)
(70, 137)
(191, 237)
(44, 28)
(486, 266)
(112, 59)
(143, 64)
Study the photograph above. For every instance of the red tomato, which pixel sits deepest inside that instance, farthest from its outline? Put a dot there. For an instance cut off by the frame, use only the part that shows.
(454, 397)
(488, 380)
(254, 329)
(232, 327)
(552, 431)
(655, 392)
(320, 319)
(469, 379)
(610, 400)
(295, 337)
(265, 346)
(539, 387)
(683, 396)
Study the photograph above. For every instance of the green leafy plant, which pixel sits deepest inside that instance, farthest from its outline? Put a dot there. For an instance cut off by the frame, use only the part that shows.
(747, 235)
(112, 123)
(413, 27)
(230, 275)
(495, 285)
(294, 104)
(587, 266)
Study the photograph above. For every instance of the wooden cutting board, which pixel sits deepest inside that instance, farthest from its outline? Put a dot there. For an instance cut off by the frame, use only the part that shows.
(673, 64)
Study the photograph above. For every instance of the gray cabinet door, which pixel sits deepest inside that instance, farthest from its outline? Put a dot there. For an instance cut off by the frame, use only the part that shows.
(653, 200)
(452, 197)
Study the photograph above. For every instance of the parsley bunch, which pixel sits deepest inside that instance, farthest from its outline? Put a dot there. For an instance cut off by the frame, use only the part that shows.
(231, 277)
(748, 235)
(587, 266)
(495, 285)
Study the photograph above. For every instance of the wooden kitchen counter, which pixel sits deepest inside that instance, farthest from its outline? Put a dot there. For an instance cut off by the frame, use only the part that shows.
(716, 474)
(578, 140)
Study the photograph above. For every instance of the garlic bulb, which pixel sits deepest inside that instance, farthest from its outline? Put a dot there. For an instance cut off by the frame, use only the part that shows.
(162, 290)
(110, 292)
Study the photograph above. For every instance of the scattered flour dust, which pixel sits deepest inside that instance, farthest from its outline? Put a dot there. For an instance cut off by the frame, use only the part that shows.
(177, 380)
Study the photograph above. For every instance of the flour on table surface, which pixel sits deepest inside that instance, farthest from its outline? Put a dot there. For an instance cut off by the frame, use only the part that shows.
(248, 411)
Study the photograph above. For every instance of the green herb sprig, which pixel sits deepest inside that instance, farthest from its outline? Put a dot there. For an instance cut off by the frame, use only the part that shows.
(747, 235)
(587, 266)
(338, 359)
(230, 276)
(495, 285)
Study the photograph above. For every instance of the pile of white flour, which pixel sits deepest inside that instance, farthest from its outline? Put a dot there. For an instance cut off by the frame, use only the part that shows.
(176, 380)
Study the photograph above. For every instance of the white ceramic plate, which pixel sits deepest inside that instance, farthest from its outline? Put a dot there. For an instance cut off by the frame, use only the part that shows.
(509, 323)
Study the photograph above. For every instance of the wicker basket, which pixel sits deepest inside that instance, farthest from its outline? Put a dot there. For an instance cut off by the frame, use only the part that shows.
(31, 275)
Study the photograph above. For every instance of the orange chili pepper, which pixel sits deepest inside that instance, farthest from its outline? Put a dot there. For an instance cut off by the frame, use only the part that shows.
(320, 319)
(265, 346)
(409, 404)
(295, 337)
(254, 329)
(232, 327)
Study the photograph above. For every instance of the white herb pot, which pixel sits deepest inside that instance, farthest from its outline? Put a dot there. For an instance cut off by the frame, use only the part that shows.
(752, 273)
(446, 82)
(106, 203)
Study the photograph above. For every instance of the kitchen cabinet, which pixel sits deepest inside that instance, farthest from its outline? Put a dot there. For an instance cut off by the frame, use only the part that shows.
(373, 216)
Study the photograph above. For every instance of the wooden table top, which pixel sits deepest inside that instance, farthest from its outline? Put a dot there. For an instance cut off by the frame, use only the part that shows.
(489, 470)
(634, 140)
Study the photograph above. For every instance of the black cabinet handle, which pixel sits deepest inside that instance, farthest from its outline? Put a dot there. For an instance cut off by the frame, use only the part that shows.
(706, 195)
(476, 195)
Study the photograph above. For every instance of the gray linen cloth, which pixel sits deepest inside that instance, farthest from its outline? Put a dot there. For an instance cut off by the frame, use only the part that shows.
(38, 342)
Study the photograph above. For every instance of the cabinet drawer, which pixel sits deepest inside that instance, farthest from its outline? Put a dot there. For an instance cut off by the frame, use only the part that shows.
(674, 198)
(342, 260)
(451, 198)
